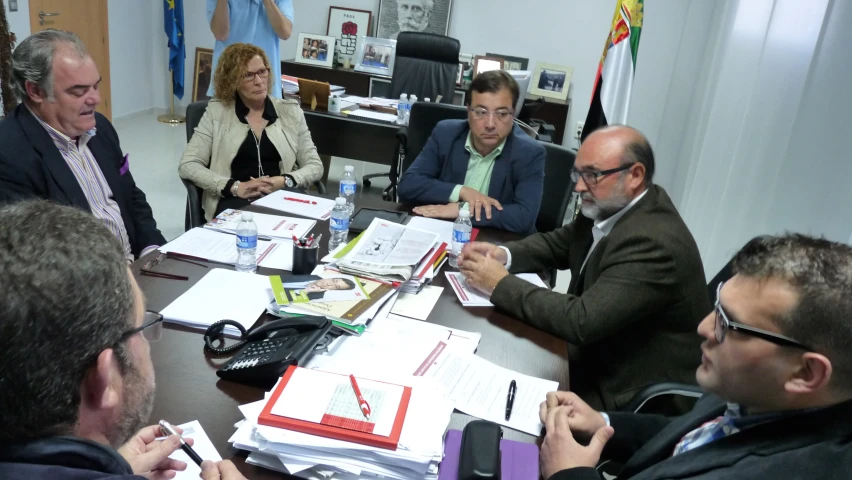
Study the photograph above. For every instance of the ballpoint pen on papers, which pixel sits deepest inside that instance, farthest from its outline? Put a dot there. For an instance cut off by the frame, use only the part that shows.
(291, 199)
(510, 398)
(365, 407)
(169, 430)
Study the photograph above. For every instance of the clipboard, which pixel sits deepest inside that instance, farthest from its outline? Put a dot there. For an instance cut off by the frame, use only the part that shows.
(314, 93)
(390, 442)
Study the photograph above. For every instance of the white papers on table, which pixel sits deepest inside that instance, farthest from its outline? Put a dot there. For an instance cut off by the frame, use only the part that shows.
(275, 226)
(373, 115)
(221, 294)
(221, 247)
(388, 243)
(471, 297)
(443, 228)
(298, 203)
(202, 446)
(417, 306)
(479, 388)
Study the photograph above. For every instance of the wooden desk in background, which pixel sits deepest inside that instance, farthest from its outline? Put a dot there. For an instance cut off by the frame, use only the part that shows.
(188, 388)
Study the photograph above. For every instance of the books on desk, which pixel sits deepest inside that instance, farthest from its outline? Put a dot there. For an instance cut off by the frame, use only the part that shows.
(298, 203)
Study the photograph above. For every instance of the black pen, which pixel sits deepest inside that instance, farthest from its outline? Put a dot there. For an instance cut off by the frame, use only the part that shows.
(510, 399)
(169, 430)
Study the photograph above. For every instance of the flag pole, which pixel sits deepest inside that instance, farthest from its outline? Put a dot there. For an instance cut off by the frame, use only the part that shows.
(170, 117)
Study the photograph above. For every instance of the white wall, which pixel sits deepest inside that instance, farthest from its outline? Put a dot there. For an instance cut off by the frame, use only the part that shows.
(19, 22)
(131, 53)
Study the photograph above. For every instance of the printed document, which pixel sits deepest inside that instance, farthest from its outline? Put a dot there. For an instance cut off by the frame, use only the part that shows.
(472, 297)
(274, 226)
(298, 203)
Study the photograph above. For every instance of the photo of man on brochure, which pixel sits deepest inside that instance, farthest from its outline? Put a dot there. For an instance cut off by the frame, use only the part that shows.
(309, 288)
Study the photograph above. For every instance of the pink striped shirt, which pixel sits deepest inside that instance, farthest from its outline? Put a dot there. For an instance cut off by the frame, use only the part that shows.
(91, 179)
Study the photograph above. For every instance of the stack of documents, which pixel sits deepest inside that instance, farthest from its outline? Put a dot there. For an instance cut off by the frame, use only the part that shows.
(298, 203)
(269, 226)
(443, 228)
(220, 246)
(471, 297)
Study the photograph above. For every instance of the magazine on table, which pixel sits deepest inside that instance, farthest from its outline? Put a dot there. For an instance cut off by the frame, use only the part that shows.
(294, 289)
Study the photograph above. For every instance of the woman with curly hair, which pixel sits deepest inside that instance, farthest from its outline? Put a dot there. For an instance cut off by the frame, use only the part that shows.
(248, 144)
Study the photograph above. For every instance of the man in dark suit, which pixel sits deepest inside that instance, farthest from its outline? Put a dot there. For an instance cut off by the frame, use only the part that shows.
(777, 369)
(56, 147)
(486, 164)
(637, 288)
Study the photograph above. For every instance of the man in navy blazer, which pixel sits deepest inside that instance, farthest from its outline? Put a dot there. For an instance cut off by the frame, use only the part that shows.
(56, 147)
(486, 164)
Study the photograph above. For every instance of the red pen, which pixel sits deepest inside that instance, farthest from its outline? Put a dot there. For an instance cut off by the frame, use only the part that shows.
(365, 407)
(296, 241)
(309, 202)
(310, 241)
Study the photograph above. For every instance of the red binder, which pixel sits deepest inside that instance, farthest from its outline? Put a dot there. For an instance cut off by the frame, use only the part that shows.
(390, 442)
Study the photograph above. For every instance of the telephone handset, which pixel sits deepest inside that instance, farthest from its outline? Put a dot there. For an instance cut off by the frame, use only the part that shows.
(269, 349)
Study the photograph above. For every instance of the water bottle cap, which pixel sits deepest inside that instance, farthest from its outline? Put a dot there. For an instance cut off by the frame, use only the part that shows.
(340, 201)
(464, 213)
(427, 99)
(247, 216)
(403, 96)
(349, 168)
(414, 97)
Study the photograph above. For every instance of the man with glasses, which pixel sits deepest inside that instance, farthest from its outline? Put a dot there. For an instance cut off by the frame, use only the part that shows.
(637, 286)
(777, 371)
(486, 164)
(76, 377)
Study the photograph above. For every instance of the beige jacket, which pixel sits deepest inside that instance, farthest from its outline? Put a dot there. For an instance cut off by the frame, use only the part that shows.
(207, 159)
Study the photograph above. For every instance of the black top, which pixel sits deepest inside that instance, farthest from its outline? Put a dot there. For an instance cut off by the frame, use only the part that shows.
(244, 165)
(66, 458)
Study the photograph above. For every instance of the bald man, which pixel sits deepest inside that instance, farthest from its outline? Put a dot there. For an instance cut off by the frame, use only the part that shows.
(637, 290)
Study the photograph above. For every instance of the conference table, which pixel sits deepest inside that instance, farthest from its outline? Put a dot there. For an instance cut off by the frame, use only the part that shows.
(188, 388)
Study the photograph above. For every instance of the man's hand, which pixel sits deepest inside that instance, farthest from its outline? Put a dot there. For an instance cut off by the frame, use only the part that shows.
(486, 249)
(224, 470)
(583, 419)
(560, 451)
(448, 211)
(149, 457)
(482, 272)
(477, 202)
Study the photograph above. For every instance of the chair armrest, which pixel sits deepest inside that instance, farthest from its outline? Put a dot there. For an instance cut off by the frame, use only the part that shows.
(659, 389)
(320, 187)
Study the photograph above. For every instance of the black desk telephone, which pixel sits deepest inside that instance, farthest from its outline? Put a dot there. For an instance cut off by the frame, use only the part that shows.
(269, 349)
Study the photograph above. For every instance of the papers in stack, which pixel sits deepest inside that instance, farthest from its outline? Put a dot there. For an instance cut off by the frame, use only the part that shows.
(471, 297)
(443, 228)
(221, 294)
(298, 203)
(417, 306)
(373, 115)
(221, 247)
(273, 226)
(389, 251)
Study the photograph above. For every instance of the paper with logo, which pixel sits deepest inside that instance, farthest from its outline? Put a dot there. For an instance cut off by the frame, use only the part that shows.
(275, 226)
(352, 311)
(472, 297)
(298, 289)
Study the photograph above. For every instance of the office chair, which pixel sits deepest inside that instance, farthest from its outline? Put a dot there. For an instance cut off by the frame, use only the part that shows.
(557, 191)
(426, 66)
(194, 216)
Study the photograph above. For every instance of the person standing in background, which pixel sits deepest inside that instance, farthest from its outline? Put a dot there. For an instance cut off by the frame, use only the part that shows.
(258, 22)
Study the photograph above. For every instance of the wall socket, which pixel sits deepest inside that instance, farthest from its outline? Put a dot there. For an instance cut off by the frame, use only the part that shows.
(13, 5)
(578, 130)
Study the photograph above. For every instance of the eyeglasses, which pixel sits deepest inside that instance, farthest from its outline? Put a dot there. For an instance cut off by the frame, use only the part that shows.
(151, 329)
(593, 178)
(723, 324)
(502, 115)
(262, 73)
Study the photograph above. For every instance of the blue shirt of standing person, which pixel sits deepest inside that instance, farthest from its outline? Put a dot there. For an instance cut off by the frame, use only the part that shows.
(258, 22)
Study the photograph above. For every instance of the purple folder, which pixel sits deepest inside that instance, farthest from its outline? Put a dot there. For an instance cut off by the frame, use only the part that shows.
(518, 461)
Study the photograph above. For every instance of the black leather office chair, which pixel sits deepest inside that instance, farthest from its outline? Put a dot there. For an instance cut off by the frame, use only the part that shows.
(556, 194)
(413, 137)
(426, 66)
(194, 216)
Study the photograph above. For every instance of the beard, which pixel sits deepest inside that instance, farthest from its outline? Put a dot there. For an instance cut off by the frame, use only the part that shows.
(601, 209)
(138, 397)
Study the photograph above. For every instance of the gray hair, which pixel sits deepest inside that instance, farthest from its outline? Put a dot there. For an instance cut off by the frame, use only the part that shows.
(67, 296)
(32, 60)
(821, 272)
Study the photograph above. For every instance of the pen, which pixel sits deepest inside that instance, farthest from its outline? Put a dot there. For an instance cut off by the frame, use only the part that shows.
(168, 430)
(310, 241)
(510, 399)
(309, 202)
(317, 240)
(365, 407)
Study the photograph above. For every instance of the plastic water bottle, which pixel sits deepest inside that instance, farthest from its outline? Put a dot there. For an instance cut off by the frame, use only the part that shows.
(461, 235)
(400, 109)
(348, 185)
(339, 224)
(411, 101)
(246, 243)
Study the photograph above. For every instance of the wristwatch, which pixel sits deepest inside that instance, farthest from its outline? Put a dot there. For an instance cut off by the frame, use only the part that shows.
(235, 188)
(289, 182)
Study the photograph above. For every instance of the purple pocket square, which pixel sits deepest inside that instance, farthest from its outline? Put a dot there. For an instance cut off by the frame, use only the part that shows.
(125, 166)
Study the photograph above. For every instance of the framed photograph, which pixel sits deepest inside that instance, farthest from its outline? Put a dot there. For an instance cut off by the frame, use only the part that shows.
(346, 25)
(486, 64)
(466, 60)
(203, 73)
(432, 16)
(375, 55)
(460, 75)
(315, 49)
(512, 63)
(551, 81)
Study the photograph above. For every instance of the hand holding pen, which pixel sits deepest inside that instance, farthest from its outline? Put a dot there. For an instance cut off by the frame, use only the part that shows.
(148, 456)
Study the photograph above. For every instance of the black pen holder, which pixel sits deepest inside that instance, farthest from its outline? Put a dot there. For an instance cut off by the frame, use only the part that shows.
(305, 259)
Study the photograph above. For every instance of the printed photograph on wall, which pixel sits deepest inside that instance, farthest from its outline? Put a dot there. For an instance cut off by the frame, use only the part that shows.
(395, 16)
(203, 73)
(346, 25)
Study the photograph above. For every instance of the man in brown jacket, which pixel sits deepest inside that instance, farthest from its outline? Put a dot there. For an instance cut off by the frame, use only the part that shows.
(637, 290)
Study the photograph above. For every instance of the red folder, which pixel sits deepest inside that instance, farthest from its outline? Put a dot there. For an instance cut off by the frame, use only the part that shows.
(390, 442)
